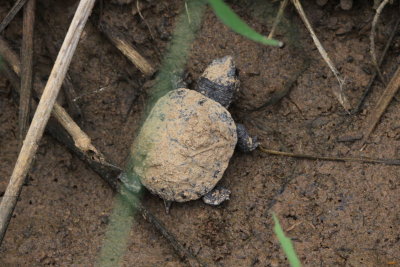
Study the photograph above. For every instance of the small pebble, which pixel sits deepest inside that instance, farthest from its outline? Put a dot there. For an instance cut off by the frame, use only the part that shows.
(350, 59)
(321, 2)
(346, 4)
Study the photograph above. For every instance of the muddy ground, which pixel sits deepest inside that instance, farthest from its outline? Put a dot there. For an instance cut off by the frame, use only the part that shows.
(338, 214)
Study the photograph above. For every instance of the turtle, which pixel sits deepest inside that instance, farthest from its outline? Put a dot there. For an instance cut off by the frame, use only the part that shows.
(184, 146)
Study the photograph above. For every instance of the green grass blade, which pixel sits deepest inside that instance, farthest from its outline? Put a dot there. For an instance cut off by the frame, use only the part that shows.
(233, 21)
(286, 244)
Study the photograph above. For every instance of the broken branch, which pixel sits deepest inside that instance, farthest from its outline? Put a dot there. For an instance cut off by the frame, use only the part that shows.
(278, 18)
(372, 39)
(11, 14)
(127, 50)
(371, 81)
(384, 101)
(26, 67)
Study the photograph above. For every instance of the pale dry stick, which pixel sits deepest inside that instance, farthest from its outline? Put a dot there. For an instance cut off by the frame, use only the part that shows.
(127, 50)
(372, 40)
(278, 18)
(384, 101)
(11, 14)
(395, 162)
(26, 67)
(372, 79)
(82, 140)
(42, 113)
(10, 56)
(338, 92)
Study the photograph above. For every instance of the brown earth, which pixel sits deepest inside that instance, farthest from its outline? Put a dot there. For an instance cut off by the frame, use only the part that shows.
(338, 214)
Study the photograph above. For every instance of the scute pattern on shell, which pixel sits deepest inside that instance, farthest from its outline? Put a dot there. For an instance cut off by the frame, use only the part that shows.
(184, 146)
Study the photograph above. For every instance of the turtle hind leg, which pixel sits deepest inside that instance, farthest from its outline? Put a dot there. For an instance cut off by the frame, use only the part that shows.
(245, 142)
(216, 196)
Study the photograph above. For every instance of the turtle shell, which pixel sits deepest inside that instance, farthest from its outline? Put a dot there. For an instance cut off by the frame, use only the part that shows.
(184, 146)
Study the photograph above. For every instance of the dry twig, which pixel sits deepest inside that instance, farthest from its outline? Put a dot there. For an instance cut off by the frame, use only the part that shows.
(127, 50)
(139, 10)
(338, 92)
(42, 113)
(342, 159)
(372, 39)
(10, 56)
(26, 67)
(387, 96)
(371, 81)
(68, 86)
(11, 14)
(278, 18)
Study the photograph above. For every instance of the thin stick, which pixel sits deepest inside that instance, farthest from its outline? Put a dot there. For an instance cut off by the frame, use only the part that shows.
(278, 18)
(26, 67)
(338, 92)
(145, 21)
(383, 103)
(68, 86)
(127, 50)
(11, 14)
(81, 139)
(371, 81)
(42, 113)
(342, 159)
(372, 39)
(70, 93)
(10, 56)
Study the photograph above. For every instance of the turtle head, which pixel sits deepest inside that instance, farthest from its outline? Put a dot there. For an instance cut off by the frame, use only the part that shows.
(219, 81)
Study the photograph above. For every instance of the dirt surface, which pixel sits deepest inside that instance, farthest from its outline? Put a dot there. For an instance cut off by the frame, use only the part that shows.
(338, 214)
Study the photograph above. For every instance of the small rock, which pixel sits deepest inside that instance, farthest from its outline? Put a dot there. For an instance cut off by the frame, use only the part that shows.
(346, 4)
(345, 28)
(332, 23)
(350, 59)
(321, 2)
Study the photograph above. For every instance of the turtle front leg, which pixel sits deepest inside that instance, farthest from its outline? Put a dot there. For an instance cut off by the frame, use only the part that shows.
(245, 143)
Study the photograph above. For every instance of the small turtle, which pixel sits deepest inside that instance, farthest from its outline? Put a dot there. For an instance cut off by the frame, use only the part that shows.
(186, 142)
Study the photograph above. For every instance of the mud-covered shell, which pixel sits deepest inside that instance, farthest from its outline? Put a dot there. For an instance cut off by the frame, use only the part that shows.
(184, 146)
